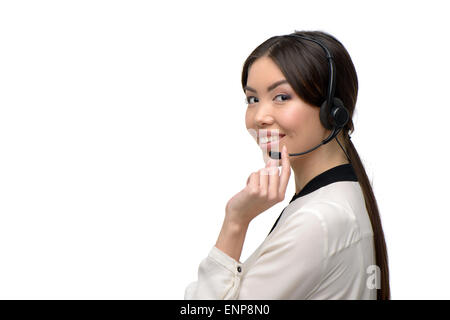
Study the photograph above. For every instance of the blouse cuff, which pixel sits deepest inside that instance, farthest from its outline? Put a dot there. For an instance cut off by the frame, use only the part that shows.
(226, 261)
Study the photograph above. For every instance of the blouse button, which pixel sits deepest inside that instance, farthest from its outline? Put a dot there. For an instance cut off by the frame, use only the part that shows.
(239, 269)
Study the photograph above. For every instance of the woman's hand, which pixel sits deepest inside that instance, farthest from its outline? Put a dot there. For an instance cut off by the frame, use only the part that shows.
(264, 189)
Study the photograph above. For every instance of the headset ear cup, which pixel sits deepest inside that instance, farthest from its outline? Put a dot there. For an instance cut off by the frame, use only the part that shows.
(339, 113)
(324, 113)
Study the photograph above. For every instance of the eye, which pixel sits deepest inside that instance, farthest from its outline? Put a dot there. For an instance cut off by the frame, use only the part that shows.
(247, 99)
(286, 97)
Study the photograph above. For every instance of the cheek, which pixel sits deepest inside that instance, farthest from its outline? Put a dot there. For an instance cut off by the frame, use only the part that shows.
(295, 119)
(249, 125)
(248, 122)
(301, 120)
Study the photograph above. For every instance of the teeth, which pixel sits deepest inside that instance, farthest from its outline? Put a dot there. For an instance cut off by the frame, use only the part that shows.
(269, 139)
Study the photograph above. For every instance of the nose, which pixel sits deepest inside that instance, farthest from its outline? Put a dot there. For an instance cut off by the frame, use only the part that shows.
(263, 115)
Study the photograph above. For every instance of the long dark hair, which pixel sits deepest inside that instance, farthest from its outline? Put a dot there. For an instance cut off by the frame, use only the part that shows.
(305, 67)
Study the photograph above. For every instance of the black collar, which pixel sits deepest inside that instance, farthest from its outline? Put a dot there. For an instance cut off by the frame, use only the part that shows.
(343, 172)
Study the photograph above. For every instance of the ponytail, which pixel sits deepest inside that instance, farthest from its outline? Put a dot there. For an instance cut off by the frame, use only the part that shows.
(372, 208)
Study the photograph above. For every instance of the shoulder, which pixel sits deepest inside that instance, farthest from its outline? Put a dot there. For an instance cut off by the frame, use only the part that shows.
(299, 230)
(339, 223)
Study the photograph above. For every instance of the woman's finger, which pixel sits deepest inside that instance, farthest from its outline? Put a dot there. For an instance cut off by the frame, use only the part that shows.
(285, 171)
(274, 180)
(249, 177)
(263, 181)
(253, 183)
(264, 178)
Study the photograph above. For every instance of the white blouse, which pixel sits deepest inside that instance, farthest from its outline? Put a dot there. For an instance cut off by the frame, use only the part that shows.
(321, 247)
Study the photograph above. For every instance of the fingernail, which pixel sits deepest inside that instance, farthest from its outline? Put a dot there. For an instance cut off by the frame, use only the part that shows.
(284, 148)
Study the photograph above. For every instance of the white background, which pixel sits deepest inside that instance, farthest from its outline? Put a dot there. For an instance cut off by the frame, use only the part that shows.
(118, 120)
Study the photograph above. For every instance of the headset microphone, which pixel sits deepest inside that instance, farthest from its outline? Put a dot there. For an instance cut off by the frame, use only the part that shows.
(333, 114)
(277, 155)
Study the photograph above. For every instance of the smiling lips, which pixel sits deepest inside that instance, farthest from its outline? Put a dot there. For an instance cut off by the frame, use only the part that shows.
(272, 138)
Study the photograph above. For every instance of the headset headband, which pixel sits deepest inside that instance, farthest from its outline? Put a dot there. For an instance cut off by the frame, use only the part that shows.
(332, 77)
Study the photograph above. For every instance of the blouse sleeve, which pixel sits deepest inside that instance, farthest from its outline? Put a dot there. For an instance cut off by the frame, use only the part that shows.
(219, 278)
(290, 265)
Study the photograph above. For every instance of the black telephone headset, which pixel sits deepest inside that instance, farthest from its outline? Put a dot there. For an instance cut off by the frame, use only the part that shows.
(333, 114)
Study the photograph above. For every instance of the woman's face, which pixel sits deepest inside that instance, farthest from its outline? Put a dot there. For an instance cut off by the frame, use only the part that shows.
(279, 111)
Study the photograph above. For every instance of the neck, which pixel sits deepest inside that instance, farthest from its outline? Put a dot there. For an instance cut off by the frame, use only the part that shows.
(310, 165)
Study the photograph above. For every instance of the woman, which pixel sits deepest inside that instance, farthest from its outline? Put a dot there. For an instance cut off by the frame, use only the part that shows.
(328, 243)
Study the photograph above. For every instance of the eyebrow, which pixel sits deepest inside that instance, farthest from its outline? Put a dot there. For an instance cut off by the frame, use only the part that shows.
(269, 88)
